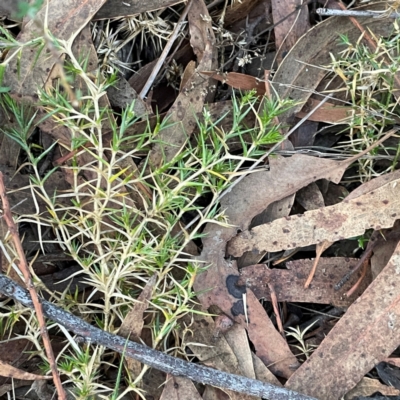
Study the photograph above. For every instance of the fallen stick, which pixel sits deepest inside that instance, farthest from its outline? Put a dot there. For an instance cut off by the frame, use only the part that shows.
(147, 355)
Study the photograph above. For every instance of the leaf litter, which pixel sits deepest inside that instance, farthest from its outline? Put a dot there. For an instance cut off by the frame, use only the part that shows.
(248, 297)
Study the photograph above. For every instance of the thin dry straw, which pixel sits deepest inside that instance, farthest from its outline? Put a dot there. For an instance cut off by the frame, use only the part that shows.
(329, 12)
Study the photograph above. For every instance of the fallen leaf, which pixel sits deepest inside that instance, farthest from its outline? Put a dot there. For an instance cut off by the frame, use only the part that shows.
(292, 21)
(179, 388)
(111, 9)
(364, 336)
(119, 9)
(32, 68)
(263, 373)
(238, 81)
(121, 95)
(289, 283)
(133, 322)
(377, 209)
(182, 115)
(328, 113)
(368, 386)
(239, 343)
(19, 190)
(310, 197)
(9, 371)
(277, 209)
(218, 282)
(238, 9)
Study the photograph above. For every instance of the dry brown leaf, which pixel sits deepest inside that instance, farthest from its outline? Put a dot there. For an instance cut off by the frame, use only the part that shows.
(9, 371)
(277, 209)
(286, 176)
(289, 283)
(179, 388)
(263, 373)
(132, 324)
(239, 343)
(238, 81)
(368, 386)
(289, 29)
(383, 249)
(214, 393)
(182, 115)
(19, 192)
(310, 197)
(121, 95)
(111, 9)
(328, 112)
(118, 9)
(367, 334)
(211, 347)
(377, 209)
(238, 10)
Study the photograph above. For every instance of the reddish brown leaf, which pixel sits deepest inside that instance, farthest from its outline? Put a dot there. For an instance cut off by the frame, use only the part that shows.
(289, 283)
(238, 81)
(329, 113)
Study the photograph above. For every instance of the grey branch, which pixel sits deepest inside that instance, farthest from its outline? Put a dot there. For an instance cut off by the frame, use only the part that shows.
(147, 355)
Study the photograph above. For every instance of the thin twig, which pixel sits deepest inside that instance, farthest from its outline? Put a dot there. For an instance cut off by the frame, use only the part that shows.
(328, 12)
(166, 50)
(23, 266)
(147, 355)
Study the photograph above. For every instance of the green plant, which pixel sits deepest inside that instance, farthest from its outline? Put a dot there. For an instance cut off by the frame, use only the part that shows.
(299, 334)
(369, 78)
(123, 225)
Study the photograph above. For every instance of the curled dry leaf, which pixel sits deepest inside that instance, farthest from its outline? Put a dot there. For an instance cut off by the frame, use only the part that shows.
(367, 334)
(376, 209)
